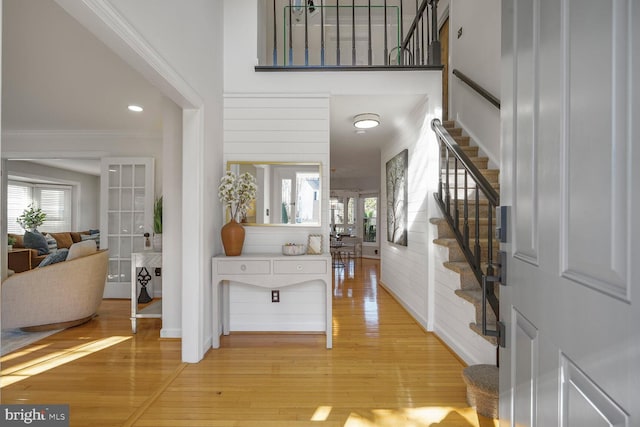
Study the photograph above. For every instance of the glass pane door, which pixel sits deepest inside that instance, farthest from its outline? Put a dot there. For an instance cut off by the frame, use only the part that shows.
(127, 198)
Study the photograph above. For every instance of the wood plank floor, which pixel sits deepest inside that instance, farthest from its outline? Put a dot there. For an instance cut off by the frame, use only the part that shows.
(384, 370)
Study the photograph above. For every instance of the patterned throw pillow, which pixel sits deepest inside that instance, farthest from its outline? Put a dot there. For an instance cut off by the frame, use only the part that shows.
(51, 243)
(35, 240)
(59, 256)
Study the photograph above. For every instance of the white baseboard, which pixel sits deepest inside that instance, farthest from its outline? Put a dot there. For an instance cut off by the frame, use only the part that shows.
(170, 333)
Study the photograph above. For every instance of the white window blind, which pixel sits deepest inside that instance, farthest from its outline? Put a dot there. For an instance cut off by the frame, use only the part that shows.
(19, 195)
(54, 200)
(56, 203)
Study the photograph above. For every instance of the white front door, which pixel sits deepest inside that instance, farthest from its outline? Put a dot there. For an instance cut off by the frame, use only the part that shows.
(126, 200)
(571, 176)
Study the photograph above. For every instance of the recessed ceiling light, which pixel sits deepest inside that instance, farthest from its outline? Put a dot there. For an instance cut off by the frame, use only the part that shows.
(135, 108)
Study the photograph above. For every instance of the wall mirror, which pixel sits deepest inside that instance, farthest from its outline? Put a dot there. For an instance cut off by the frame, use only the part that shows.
(288, 193)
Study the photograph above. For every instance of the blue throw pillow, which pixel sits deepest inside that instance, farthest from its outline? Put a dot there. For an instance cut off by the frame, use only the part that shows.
(35, 240)
(59, 256)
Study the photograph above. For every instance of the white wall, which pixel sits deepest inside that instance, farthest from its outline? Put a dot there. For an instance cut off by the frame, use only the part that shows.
(278, 128)
(83, 145)
(477, 54)
(86, 189)
(171, 219)
(407, 271)
(188, 40)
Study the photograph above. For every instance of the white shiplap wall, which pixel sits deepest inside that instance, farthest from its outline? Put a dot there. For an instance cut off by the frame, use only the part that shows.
(278, 128)
(405, 270)
(454, 314)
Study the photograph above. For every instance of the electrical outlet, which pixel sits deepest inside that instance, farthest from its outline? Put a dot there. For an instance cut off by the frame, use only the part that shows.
(275, 296)
(158, 272)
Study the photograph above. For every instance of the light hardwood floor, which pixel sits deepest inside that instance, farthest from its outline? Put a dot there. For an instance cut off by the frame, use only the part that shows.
(384, 370)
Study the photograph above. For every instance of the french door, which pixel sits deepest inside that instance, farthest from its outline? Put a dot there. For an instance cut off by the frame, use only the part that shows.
(571, 300)
(126, 200)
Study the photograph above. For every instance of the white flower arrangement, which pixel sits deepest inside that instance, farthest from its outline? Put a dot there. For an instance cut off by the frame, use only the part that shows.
(237, 192)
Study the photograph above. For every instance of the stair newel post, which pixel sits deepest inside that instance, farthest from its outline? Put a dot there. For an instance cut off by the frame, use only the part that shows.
(456, 219)
(434, 47)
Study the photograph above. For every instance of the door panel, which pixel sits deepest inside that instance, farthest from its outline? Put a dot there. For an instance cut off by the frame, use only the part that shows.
(127, 190)
(569, 174)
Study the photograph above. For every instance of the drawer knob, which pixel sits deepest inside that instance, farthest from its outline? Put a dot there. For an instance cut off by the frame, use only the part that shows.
(243, 267)
(299, 267)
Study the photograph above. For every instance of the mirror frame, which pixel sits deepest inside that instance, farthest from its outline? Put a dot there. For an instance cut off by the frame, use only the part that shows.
(231, 163)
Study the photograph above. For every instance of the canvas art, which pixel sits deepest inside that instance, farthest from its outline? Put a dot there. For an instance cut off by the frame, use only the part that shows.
(397, 210)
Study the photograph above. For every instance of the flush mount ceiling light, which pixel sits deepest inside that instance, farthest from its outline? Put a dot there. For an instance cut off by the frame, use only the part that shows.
(366, 120)
(135, 108)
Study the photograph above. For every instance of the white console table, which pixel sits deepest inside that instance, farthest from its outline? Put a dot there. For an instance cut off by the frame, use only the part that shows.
(150, 260)
(271, 271)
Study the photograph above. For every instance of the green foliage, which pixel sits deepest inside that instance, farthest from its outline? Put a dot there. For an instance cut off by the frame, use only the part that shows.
(11, 240)
(157, 216)
(31, 218)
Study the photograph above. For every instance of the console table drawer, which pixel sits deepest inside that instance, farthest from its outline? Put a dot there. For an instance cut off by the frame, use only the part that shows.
(244, 267)
(299, 267)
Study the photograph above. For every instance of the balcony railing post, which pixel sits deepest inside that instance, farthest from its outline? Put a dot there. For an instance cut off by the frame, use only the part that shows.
(386, 49)
(290, 36)
(337, 32)
(322, 32)
(369, 52)
(353, 32)
(401, 59)
(306, 33)
(275, 35)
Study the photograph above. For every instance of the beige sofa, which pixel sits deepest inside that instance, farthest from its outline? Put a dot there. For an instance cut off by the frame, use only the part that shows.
(22, 259)
(56, 296)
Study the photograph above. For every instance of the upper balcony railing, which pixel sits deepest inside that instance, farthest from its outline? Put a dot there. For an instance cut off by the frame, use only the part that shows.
(349, 33)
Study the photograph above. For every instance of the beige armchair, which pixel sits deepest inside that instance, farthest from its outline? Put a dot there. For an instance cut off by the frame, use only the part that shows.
(56, 296)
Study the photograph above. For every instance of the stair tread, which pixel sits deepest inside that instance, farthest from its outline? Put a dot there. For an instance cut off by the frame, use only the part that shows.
(484, 377)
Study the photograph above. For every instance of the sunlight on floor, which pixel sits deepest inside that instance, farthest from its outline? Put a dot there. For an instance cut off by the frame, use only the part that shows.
(17, 354)
(42, 364)
(420, 417)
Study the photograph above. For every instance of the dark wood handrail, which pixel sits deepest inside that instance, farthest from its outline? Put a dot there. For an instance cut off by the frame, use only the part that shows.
(474, 172)
(475, 86)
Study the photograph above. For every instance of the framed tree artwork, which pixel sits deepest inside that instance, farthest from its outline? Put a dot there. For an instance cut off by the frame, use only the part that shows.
(397, 211)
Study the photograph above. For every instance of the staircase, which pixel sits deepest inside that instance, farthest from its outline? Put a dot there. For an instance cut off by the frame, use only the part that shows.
(481, 380)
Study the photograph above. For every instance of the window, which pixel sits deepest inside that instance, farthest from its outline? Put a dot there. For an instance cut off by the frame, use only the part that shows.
(370, 219)
(343, 215)
(54, 200)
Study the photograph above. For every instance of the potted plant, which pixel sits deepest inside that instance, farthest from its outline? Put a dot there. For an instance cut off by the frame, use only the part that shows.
(31, 218)
(157, 224)
(236, 193)
(11, 241)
